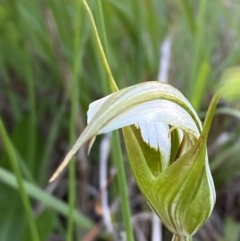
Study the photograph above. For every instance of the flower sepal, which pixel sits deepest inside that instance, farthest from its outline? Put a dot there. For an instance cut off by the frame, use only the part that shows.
(183, 194)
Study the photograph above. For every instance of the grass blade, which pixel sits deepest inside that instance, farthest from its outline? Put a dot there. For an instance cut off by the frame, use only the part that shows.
(16, 169)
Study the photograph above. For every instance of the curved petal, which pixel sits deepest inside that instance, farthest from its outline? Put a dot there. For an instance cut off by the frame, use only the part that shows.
(156, 111)
(139, 97)
(149, 101)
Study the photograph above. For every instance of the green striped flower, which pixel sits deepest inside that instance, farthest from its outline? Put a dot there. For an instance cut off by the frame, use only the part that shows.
(166, 145)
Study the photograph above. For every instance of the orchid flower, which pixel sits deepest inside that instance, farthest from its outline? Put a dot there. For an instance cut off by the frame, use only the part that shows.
(167, 151)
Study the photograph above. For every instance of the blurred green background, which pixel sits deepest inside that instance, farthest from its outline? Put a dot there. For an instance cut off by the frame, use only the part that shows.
(51, 70)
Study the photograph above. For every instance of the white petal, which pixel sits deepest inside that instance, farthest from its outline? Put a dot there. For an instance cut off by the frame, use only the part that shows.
(156, 111)
(157, 136)
(95, 106)
(137, 94)
(149, 101)
(144, 102)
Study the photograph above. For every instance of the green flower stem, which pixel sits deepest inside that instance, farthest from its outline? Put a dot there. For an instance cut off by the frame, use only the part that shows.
(122, 183)
(22, 191)
(73, 119)
(179, 238)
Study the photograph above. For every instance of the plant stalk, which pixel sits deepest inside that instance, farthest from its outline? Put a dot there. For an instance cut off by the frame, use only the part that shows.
(180, 238)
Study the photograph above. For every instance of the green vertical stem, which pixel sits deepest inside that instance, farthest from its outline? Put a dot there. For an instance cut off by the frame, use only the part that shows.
(73, 119)
(116, 141)
(122, 183)
(117, 154)
(22, 191)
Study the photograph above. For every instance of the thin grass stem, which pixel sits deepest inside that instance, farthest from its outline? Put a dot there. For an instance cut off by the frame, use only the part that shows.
(122, 183)
(117, 154)
(22, 191)
(102, 53)
(73, 119)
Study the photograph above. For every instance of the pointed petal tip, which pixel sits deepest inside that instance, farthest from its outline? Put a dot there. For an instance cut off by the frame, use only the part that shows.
(62, 166)
(57, 173)
(53, 177)
(92, 140)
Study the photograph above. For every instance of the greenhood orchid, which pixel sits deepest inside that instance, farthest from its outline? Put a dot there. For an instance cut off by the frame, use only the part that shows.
(167, 151)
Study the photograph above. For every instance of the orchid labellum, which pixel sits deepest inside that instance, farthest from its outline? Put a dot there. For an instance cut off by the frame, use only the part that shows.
(166, 146)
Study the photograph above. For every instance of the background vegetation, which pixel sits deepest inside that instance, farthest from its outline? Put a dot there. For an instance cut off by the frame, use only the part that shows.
(51, 70)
